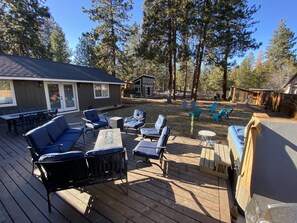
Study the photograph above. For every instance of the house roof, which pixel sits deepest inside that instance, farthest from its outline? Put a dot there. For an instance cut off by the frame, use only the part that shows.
(290, 80)
(26, 68)
(145, 75)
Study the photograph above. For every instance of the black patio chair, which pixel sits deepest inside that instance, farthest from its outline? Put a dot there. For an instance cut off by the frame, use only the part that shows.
(155, 132)
(153, 150)
(136, 121)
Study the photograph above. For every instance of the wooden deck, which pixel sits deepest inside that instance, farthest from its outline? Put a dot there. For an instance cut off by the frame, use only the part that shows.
(186, 195)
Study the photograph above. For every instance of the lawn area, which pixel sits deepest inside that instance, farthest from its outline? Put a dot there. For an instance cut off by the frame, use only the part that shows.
(179, 120)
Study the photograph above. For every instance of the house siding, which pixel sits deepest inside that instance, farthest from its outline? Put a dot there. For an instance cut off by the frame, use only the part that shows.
(87, 100)
(28, 94)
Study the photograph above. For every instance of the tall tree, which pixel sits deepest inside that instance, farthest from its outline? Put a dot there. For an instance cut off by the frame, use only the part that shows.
(158, 36)
(20, 25)
(84, 52)
(59, 49)
(233, 23)
(112, 31)
(281, 55)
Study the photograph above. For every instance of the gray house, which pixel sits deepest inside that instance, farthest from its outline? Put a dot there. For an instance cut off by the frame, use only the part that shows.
(26, 82)
(144, 85)
(291, 86)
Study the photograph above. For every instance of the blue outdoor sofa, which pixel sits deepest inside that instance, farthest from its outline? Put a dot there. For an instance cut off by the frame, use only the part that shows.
(54, 136)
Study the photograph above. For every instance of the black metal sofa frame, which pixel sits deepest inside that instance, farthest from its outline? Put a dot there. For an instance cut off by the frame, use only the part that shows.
(75, 169)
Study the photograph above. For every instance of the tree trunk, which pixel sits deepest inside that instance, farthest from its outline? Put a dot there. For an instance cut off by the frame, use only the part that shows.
(174, 62)
(195, 72)
(169, 100)
(186, 78)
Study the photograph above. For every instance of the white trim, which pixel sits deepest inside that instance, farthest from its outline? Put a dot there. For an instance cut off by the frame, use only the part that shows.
(96, 97)
(14, 102)
(59, 80)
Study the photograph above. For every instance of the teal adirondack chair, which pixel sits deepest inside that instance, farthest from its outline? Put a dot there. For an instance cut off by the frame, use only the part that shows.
(196, 113)
(218, 117)
(228, 111)
(213, 107)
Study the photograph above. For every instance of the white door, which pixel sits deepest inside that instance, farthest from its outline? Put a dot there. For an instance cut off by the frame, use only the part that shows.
(61, 96)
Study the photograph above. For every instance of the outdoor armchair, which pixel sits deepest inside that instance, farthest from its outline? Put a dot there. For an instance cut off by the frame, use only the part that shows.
(228, 111)
(93, 121)
(218, 117)
(154, 133)
(153, 150)
(213, 107)
(196, 113)
(136, 121)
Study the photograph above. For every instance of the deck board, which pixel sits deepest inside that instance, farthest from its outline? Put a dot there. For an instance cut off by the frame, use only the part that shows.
(185, 195)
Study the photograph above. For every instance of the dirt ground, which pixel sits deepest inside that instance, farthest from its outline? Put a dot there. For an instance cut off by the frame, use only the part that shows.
(179, 121)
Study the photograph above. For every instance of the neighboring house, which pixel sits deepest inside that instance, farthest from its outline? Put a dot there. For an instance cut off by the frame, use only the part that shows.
(291, 86)
(144, 85)
(37, 83)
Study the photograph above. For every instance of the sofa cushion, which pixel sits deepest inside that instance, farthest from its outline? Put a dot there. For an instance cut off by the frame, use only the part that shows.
(100, 152)
(62, 123)
(77, 130)
(66, 144)
(53, 130)
(61, 156)
(39, 137)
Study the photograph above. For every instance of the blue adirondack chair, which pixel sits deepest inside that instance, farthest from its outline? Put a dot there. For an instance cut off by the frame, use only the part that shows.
(196, 113)
(228, 112)
(213, 107)
(218, 117)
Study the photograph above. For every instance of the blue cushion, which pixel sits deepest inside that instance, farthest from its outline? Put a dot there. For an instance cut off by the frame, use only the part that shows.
(237, 135)
(162, 141)
(62, 123)
(149, 131)
(39, 137)
(53, 130)
(77, 130)
(161, 122)
(91, 115)
(145, 149)
(133, 124)
(99, 152)
(66, 144)
(61, 156)
(50, 149)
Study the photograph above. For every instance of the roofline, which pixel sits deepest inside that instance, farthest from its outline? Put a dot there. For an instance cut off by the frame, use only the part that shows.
(292, 78)
(58, 80)
(144, 75)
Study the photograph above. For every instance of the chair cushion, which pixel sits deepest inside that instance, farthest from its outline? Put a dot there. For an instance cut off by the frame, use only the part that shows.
(91, 115)
(77, 130)
(66, 144)
(161, 122)
(100, 152)
(149, 131)
(39, 137)
(53, 130)
(147, 149)
(133, 124)
(61, 156)
(62, 123)
(162, 141)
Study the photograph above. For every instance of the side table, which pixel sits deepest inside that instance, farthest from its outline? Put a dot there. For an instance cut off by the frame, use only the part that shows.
(116, 122)
(206, 136)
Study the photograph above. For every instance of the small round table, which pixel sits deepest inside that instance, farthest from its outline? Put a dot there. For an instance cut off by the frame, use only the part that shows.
(206, 136)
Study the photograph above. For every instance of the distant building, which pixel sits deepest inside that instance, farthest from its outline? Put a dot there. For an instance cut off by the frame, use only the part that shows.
(143, 86)
(291, 86)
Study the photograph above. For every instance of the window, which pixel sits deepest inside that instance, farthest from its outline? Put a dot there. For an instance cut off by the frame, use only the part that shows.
(101, 90)
(7, 97)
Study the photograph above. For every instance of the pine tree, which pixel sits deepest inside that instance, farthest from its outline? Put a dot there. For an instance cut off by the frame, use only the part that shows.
(281, 56)
(21, 24)
(59, 49)
(84, 51)
(111, 33)
(232, 35)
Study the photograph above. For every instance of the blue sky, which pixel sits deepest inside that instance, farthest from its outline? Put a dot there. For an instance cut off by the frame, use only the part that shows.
(68, 13)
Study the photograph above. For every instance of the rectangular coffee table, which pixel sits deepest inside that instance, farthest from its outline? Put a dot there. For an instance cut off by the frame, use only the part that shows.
(109, 138)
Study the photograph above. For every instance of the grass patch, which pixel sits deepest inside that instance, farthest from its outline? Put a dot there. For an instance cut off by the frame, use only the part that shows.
(179, 120)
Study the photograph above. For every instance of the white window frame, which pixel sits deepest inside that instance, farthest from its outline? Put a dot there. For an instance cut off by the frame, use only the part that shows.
(104, 96)
(12, 94)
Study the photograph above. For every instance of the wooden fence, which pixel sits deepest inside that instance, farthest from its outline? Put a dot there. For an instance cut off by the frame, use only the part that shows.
(285, 104)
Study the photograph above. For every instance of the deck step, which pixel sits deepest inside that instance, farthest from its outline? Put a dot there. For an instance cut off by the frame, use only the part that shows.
(215, 161)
